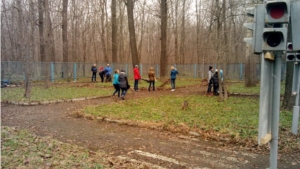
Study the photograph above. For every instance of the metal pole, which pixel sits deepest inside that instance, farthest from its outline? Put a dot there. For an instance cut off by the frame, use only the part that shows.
(195, 70)
(203, 69)
(75, 72)
(276, 108)
(241, 72)
(296, 108)
(52, 71)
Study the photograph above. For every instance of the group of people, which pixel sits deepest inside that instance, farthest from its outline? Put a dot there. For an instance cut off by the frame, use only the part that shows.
(213, 80)
(120, 80)
(103, 73)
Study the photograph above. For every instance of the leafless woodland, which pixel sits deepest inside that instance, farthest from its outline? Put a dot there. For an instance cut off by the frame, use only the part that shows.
(197, 31)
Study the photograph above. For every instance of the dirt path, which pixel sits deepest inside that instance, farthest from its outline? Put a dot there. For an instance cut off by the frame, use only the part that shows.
(160, 149)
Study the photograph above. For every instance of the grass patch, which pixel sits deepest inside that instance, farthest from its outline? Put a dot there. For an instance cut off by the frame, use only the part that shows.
(237, 117)
(240, 88)
(39, 93)
(21, 149)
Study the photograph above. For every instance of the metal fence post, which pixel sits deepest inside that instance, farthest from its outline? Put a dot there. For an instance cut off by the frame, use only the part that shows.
(157, 70)
(141, 69)
(75, 72)
(195, 70)
(52, 71)
(241, 72)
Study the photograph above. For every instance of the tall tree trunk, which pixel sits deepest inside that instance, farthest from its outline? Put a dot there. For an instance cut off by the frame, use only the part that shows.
(49, 40)
(114, 31)
(64, 27)
(250, 65)
(182, 36)
(31, 53)
(142, 31)
(102, 33)
(120, 38)
(177, 59)
(164, 22)
(41, 30)
(198, 16)
(134, 53)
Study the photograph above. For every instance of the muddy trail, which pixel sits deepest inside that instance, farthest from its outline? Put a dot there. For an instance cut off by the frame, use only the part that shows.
(159, 149)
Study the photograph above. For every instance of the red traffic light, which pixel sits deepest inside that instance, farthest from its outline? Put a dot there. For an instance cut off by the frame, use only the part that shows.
(290, 46)
(276, 12)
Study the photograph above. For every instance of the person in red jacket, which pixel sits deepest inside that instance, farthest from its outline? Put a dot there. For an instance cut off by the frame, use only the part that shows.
(137, 77)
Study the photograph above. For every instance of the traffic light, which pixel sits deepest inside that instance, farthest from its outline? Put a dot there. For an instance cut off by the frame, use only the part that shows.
(295, 22)
(275, 32)
(257, 27)
(293, 57)
(289, 47)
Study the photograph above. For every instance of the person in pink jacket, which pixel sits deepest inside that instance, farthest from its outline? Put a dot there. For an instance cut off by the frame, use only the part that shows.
(137, 77)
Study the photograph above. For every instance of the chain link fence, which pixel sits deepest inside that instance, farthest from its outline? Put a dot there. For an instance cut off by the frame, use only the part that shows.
(14, 71)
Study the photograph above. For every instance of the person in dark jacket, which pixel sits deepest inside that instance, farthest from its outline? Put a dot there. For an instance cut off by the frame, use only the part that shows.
(94, 71)
(151, 78)
(173, 74)
(101, 73)
(214, 80)
(123, 83)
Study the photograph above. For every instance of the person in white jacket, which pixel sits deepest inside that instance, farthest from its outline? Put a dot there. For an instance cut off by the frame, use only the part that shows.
(210, 74)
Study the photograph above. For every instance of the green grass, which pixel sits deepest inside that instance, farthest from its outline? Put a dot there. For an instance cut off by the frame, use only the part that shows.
(39, 93)
(21, 149)
(237, 116)
(240, 88)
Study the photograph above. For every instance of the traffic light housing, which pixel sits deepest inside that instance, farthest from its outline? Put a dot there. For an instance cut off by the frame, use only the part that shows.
(277, 11)
(295, 24)
(257, 27)
(293, 57)
(289, 47)
(275, 32)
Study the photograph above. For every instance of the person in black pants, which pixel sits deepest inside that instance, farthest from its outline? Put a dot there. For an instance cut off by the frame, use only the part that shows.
(94, 71)
(214, 80)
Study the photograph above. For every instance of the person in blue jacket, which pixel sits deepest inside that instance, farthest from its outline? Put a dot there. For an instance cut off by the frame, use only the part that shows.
(173, 74)
(116, 83)
(107, 69)
(94, 72)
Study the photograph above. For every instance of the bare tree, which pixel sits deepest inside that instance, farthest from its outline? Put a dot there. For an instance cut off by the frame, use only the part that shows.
(163, 29)
(64, 27)
(134, 53)
(250, 65)
(114, 31)
(182, 35)
(103, 31)
(41, 30)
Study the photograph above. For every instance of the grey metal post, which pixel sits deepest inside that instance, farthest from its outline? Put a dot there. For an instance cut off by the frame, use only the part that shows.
(195, 70)
(241, 72)
(74, 72)
(52, 71)
(276, 109)
(141, 69)
(265, 103)
(296, 107)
